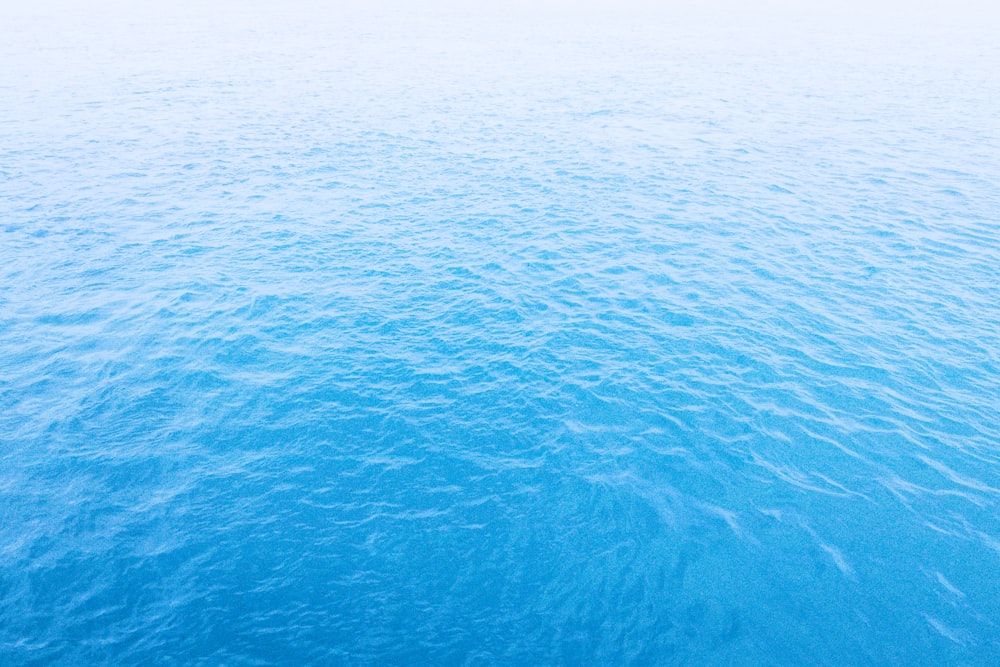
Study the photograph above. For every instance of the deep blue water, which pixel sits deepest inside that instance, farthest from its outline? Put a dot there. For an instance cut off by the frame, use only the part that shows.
(484, 337)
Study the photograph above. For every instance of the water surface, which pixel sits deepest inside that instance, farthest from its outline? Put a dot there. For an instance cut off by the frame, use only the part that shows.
(467, 336)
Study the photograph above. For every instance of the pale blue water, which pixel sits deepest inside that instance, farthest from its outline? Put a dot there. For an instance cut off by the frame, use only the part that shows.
(444, 337)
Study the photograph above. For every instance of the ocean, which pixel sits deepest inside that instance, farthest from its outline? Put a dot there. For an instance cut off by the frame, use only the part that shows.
(466, 335)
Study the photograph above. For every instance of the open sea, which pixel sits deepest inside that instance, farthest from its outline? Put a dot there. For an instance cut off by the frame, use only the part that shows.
(534, 334)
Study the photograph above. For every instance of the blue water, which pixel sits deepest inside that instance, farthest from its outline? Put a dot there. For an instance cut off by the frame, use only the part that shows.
(488, 337)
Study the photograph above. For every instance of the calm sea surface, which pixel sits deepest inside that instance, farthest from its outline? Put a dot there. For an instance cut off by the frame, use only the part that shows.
(498, 337)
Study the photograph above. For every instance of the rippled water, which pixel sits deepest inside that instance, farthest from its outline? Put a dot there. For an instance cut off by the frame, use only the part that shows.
(460, 336)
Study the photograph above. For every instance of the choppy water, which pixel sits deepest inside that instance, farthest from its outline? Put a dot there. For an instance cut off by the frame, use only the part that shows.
(469, 337)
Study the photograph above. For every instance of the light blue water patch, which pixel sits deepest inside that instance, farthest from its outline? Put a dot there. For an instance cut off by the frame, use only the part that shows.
(482, 337)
